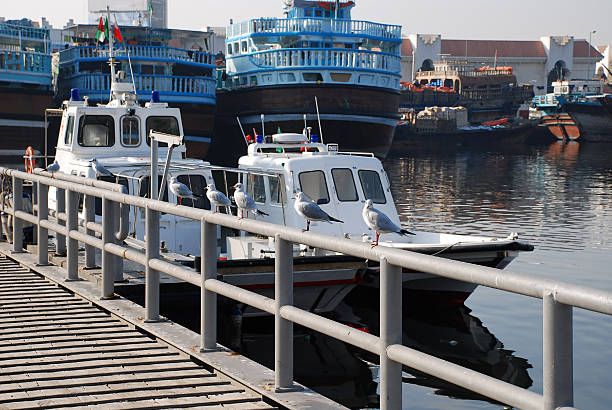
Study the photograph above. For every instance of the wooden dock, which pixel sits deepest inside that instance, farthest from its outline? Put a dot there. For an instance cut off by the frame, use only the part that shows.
(59, 350)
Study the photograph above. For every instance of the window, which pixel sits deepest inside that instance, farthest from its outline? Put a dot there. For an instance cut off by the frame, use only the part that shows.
(313, 184)
(345, 184)
(96, 131)
(69, 130)
(167, 125)
(287, 77)
(229, 49)
(130, 131)
(196, 184)
(275, 190)
(318, 13)
(340, 77)
(257, 189)
(312, 77)
(144, 189)
(243, 45)
(372, 187)
(308, 13)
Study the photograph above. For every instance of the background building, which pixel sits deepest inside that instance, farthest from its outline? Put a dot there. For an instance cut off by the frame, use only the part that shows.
(149, 13)
(537, 62)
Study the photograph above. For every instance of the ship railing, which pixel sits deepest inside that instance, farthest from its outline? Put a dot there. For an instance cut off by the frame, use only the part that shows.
(314, 25)
(165, 84)
(326, 58)
(558, 298)
(33, 67)
(138, 51)
(24, 33)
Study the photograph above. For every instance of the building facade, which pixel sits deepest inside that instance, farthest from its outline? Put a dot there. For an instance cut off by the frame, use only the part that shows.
(537, 62)
(142, 13)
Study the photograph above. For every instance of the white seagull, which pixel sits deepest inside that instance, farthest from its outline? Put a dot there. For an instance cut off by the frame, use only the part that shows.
(53, 168)
(181, 191)
(217, 198)
(99, 168)
(311, 211)
(380, 222)
(245, 202)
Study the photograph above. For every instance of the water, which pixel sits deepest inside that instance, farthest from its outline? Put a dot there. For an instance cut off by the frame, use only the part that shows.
(557, 197)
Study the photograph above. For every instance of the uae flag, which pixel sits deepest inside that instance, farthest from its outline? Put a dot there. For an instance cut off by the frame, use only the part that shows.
(102, 33)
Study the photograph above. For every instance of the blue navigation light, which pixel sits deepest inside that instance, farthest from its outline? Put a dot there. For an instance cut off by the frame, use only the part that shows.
(259, 139)
(75, 95)
(314, 138)
(155, 96)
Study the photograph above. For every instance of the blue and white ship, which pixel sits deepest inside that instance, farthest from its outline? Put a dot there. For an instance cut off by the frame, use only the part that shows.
(282, 72)
(25, 87)
(175, 63)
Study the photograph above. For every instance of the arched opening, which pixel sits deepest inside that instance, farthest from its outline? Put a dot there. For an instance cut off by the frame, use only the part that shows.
(558, 73)
(427, 65)
(601, 74)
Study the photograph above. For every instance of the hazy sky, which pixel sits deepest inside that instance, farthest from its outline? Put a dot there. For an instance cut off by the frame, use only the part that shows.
(458, 19)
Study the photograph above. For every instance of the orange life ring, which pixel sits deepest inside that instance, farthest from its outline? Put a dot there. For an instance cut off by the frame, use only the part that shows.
(30, 161)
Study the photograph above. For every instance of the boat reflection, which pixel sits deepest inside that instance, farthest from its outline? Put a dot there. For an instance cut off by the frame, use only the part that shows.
(348, 375)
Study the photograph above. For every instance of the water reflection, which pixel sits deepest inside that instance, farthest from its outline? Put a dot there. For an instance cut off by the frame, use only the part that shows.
(555, 195)
(349, 375)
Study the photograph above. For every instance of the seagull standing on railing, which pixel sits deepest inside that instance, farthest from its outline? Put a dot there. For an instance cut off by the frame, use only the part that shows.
(380, 222)
(245, 202)
(99, 169)
(311, 211)
(53, 168)
(218, 198)
(181, 191)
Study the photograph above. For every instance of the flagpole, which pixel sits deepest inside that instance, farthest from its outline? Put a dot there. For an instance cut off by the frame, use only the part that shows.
(110, 51)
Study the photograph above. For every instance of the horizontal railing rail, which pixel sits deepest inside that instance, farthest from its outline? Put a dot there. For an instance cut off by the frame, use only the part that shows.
(23, 33)
(25, 62)
(137, 52)
(558, 298)
(145, 83)
(315, 25)
(325, 58)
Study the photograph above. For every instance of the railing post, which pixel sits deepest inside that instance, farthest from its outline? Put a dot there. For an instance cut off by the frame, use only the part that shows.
(42, 233)
(152, 276)
(17, 223)
(390, 334)
(108, 225)
(60, 206)
(72, 225)
(283, 329)
(557, 357)
(118, 261)
(90, 216)
(208, 270)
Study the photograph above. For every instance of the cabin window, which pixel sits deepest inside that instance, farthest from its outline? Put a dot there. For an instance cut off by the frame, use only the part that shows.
(312, 77)
(196, 184)
(96, 131)
(130, 131)
(318, 13)
(287, 77)
(308, 13)
(313, 184)
(166, 125)
(372, 187)
(275, 190)
(243, 46)
(340, 77)
(345, 184)
(229, 49)
(144, 189)
(69, 130)
(257, 189)
(146, 69)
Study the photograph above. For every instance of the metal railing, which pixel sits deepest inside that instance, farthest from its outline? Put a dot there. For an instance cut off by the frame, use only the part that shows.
(23, 32)
(157, 53)
(324, 58)
(558, 298)
(315, 25)
(29, 66)
(94, 84)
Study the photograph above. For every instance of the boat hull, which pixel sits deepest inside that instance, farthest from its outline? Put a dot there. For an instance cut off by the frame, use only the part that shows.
(357, 118)
(594, 121)
(406, 137)
(22, 122)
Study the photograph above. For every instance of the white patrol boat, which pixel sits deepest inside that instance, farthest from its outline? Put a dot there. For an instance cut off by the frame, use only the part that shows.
(340, 183)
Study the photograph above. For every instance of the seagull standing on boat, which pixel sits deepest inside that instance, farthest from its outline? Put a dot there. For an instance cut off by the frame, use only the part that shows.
(218, 198)
(311, 211)
(245, 202)
(181, 191)
(53, 168)
(380, 222)
(99, 169)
